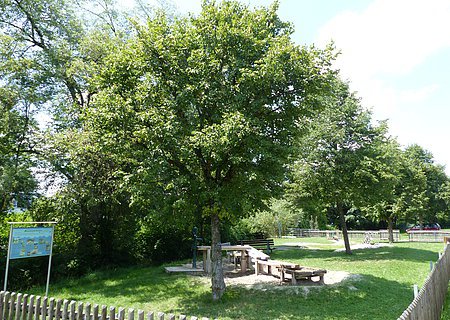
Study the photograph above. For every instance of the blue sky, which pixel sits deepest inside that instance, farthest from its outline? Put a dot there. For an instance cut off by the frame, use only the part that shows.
(394, 52)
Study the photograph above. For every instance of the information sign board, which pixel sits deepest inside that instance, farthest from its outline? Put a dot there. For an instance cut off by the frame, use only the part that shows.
(31, 242)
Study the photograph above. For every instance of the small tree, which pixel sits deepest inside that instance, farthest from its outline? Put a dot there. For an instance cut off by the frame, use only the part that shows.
(339, 160)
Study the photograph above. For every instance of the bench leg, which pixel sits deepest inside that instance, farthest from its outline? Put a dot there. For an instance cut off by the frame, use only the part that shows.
(243, 262)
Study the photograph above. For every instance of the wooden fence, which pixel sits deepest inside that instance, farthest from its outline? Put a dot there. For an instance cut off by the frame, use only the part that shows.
(429, 302)
(17, 306)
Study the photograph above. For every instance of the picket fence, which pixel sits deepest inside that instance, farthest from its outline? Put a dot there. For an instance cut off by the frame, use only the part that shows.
(429, 302)
(18, 306)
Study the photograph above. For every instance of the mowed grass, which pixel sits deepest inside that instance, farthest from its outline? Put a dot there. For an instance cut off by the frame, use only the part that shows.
(382, 289)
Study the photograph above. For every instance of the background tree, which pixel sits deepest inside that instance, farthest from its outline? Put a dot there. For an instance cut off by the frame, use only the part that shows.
(207, 107)
(424, 182)
(340, 159)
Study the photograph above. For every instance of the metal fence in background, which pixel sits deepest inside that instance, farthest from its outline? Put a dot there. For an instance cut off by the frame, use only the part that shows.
(380, 235)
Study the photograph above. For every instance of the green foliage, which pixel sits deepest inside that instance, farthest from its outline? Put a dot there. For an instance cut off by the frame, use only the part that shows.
(343, 159)
(163, 243)
(424, 203)
(207, 106)
(202, 111)
(270, 222)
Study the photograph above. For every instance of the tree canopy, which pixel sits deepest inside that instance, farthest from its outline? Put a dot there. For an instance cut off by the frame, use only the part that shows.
(342, 157)
(208, 107)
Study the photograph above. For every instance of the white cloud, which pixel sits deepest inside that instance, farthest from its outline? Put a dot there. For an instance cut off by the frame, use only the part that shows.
(383, 49)
(388, 38)
(418, 95)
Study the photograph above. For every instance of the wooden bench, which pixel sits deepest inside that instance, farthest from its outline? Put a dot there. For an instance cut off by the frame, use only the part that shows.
(272, 267)
(260, 244)
(303, 274)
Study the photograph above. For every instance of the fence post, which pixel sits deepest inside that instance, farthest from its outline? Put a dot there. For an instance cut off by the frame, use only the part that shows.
(416, 291)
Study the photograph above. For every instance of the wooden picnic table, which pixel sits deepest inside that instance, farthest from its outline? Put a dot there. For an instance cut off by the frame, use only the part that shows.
(207, 255)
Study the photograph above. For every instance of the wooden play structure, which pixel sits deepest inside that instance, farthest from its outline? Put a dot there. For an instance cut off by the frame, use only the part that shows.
(247, 257)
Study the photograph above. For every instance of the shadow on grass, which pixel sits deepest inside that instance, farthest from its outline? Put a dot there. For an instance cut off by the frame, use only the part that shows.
(368, 297)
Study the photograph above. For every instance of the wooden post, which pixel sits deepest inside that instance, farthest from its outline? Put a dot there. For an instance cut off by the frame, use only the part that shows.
(140, 315)
(44, 308)
(51, 309)
(38, 308)
(121, 314)
(243, 262)
(11, 306)
(112, 313)
(30, 308)
(18, 306)
(58, 309)
(88, 311)
(416, 290)
(24, 307)
(65, 313)
(80, 315)
(130, 314)
(208, 261)
(95, 313)
(72, 310)
(2, 303)
(104, 313)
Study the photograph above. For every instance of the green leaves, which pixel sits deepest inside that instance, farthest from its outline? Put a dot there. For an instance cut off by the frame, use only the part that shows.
(213, 99)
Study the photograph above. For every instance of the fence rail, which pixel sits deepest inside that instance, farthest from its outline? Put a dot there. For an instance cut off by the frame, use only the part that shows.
(353, 234)
(427, 236)
(429, 302)
(18, 306)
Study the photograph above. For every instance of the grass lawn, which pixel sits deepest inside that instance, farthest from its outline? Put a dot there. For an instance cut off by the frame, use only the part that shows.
(446, 312)
(382, 291)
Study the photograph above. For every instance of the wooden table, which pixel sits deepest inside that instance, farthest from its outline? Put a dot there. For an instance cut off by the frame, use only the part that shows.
(207, 256)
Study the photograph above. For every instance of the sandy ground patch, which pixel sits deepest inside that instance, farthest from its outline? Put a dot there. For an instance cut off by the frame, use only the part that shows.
(266, 282)
(249, 280)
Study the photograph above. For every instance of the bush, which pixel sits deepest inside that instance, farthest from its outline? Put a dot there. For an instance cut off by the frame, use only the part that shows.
(158, 244)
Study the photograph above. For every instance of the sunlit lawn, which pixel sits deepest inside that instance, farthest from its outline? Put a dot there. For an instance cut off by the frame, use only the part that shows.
(382, 291)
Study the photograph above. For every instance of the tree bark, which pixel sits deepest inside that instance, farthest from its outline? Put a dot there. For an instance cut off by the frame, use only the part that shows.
(390, 229)
(340, 210)
(217, 280)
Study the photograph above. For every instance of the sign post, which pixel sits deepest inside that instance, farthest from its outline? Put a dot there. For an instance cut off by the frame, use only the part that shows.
(29, 242)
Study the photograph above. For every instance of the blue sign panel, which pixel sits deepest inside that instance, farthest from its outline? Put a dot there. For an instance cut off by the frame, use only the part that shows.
(30, 242)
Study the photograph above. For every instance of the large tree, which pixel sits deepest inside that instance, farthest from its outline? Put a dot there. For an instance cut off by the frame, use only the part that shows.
(48, 56)
(340, 162)
(206, 109)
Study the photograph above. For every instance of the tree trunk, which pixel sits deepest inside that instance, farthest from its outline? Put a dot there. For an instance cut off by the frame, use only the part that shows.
(390, 229)
(217, 280)
(340, 210)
